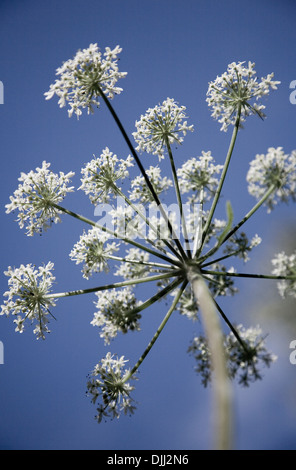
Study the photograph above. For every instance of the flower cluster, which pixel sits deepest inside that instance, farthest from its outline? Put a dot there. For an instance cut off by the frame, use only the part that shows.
(179, 247)
(35, 198)
(221, 284)
(243, 362)
(107, 382)
(188, 305)
(161, 124)
(240, 246)
(139, 189)
(101, 175)
(94, 251)
(198, 174)
(116, 311)
(27, 296)
(135, 264)
(238, 88)
(82, 78)
(126, 222)
(274, 170)
(285, 265)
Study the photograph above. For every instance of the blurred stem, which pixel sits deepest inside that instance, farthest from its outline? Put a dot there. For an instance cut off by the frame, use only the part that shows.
(221, 384)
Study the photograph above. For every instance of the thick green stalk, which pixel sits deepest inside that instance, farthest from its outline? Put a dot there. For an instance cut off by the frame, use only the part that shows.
(221, 383)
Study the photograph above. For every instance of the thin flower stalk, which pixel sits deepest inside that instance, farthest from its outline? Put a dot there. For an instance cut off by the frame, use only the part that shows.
(249, 275)
(144, 174)
(147, 222)
(115, 285)
(178, 195)
(251, 212)
(158, 331)
(223, 175)
(115, 235)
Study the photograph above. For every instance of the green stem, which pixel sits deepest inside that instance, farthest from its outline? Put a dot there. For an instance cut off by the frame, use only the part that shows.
(178, 195)
(235, 333)
(245, 218)
(255, 276)
(219, 259)
(221, 383)
(250, 213)
(139, 163)
(144, 263)
(116, 235)
(221, 182)
(158, 331)
(115, 285)
(159, 295)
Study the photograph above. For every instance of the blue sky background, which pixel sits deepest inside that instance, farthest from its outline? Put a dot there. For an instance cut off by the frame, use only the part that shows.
(170, 49)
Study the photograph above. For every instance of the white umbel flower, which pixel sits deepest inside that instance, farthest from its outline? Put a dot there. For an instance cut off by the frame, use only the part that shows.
(27, 299)
(243, 363)
(34, 197)
(102, 174)
(116, 312)
(140, 191)
(285, 265)
(107, 383)
(164, 121)
(80, 77)
(275, 169)
(134, 265)
(238, 86)
(93, 250)
(198, 174)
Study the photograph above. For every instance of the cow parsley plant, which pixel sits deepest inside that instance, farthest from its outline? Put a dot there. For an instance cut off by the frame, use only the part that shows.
(181, 249)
